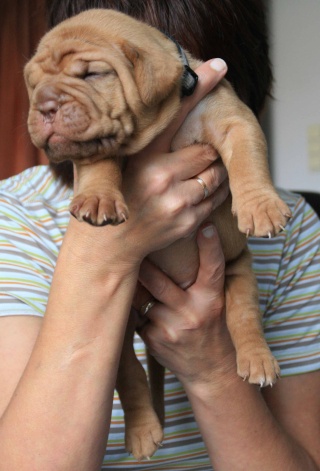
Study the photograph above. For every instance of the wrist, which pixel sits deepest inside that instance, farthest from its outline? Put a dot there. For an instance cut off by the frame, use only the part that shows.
(90, 276)
(102, 250)
(222, 379)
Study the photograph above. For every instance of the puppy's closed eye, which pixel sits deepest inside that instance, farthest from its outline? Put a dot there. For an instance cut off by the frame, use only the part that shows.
(92, 75)
(97, 74)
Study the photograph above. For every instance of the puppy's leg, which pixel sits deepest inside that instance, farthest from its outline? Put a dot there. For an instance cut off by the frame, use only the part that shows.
(255, 361)
(225, 122)
(143, 430)
(259, 209)
(241, 143)
(98, 198)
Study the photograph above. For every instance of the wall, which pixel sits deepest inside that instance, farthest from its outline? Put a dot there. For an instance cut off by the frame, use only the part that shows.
(295, 113)
(22, 22)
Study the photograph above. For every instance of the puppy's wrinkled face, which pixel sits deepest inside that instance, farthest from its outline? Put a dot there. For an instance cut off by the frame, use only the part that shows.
(77, 104)
(92, 85)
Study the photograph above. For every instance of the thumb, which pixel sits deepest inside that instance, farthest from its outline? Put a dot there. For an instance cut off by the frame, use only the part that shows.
(212, 263)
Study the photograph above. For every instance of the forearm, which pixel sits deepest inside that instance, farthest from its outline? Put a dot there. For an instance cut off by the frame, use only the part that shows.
(59, 415)
(240, 431)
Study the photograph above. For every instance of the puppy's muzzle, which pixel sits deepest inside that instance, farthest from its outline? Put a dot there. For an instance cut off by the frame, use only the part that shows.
(47, 101)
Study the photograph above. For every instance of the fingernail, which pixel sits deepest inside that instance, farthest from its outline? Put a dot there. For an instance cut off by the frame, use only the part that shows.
(218, 65)
(208, 231)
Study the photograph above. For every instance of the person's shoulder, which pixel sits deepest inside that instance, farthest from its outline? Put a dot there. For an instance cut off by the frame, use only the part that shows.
(35, 183)
(303, 229)
(301, 234)
(298, 204)
(34, 203)
(287, 268)
(289, 197)
(303, 218)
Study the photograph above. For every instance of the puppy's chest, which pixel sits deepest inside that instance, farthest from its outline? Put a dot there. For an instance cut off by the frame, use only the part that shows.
(192, 129)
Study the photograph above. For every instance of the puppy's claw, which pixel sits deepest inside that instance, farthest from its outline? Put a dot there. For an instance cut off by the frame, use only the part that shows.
(106, 221)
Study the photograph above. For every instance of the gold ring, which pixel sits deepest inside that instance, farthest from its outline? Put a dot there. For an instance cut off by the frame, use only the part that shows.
(204, 187)
(145, 308)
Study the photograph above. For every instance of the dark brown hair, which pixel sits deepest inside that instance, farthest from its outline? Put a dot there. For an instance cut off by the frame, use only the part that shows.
(234, 30)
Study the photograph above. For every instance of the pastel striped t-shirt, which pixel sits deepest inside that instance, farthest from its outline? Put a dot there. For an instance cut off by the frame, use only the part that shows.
(33, 218)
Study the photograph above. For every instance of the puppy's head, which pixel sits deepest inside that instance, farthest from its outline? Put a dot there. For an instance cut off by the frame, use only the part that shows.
(101, 84)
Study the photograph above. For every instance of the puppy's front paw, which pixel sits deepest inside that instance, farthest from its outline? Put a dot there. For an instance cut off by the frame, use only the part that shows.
(261, 213)
(258, 366)
(100, 209)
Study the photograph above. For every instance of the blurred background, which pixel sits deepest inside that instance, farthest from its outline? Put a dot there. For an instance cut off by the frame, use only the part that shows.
(21, 26)
(291, 120)
(293, 117)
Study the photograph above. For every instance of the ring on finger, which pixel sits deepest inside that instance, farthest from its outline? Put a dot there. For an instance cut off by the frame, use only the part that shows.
(204, 187)
(145, 308)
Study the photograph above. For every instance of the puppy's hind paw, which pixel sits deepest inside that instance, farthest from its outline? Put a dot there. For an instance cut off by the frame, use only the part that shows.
(259, 368)
(144, 441)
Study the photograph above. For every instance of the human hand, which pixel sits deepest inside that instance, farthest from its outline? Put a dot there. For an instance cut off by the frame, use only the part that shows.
(164, 198)
(186, 330)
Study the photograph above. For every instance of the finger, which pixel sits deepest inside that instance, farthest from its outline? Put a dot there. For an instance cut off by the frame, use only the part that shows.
(212, 263)
(182, 164)
(209, 74)
(208, 181)
(159, 285)
(141, 297)
(190, 161)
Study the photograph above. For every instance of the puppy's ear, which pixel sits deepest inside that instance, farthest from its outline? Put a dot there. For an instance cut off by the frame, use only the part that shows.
(156, 73)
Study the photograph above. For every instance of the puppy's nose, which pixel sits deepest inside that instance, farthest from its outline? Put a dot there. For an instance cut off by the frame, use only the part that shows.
(47, 101)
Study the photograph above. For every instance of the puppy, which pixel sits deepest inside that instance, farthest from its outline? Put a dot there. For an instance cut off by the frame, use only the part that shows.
(103, 85)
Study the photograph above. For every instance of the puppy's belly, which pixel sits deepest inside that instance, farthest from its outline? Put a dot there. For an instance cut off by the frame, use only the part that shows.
(180, 261)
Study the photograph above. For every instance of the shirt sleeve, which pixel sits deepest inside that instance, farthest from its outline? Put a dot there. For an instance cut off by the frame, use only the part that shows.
(288, 273)
(27, 258)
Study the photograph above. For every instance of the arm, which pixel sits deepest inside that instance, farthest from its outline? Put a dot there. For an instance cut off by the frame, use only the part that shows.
(241, 430)
(56, 411)
(61, 403)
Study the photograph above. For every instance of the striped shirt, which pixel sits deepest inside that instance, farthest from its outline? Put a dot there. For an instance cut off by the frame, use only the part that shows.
(33, 219)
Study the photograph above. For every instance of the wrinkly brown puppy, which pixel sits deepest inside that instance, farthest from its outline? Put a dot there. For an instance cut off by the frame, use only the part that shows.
(102, 86)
